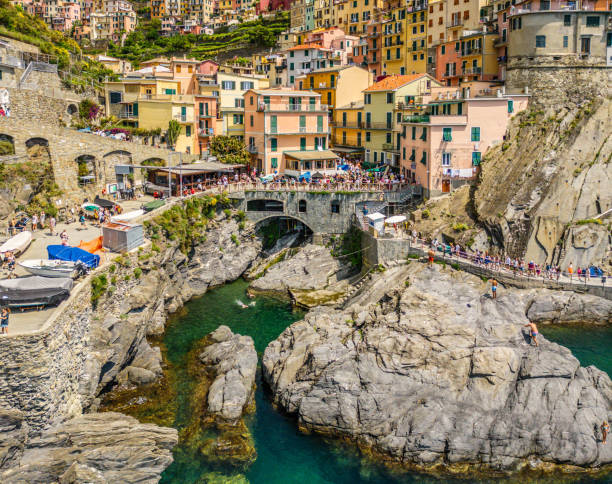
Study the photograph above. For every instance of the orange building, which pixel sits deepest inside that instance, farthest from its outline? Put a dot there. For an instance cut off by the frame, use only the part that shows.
(287, 132)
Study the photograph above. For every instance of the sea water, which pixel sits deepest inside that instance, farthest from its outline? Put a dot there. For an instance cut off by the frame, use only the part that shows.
(284, 455)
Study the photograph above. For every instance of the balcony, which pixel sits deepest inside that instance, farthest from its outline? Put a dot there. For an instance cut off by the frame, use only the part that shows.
(384, 126)
(390, 147)
(472, 71)
(349, 125)
(312, 108)
(417, 118)
(184, 118)
(456, 24)
(252, 149)
(127, 115)
(468, 52)
(205, 132)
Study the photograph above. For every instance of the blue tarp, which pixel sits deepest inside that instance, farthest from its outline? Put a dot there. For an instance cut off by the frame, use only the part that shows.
(304, 176)
(595, 271)
(74, 254)
(344, 167)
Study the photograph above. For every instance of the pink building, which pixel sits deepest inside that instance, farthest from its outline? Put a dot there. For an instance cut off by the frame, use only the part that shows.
(324, 37)
(66, 15)
(442, 148)
(208, 67)
(207, 110)
(287, 132)
(184, 71)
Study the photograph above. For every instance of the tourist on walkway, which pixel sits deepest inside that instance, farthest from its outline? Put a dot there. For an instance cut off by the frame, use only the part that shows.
(64, 238)
(52, 223)
(82, 219)
(494, 288)
(570, 271)
(430, 254)
(34, 222)
(605, 428)
(4, 322)
(533, 332)
(41, 219)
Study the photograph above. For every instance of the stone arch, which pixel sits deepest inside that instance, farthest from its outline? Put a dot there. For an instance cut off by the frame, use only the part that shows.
(37, 149)
(154, 161)
(72, 109)
(265, 205)
(120, 174)
(268, 218)
(87, 169)
(7, 144)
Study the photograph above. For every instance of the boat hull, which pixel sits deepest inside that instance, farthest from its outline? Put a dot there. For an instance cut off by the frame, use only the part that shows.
(48, 268)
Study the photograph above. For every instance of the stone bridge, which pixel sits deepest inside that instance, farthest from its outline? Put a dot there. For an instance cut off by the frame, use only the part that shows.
(323, 212)
(38, 120)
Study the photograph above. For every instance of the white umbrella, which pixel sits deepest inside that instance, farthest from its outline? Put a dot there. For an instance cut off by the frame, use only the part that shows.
(395, 219)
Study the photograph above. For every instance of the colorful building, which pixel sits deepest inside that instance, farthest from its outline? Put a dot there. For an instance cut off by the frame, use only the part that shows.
(442, 147)
(287, 132)
(348, 132)
(416, 37)
(385, 104)
(338, 86)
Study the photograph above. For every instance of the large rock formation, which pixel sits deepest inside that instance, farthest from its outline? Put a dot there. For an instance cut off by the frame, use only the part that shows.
(93, 448)
(555, 171)
(436, 373)
(312, 276)
(233, 360)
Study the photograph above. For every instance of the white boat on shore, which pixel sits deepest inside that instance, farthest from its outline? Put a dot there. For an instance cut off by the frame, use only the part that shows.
(17, 244)
(124, 217)
(50, 268)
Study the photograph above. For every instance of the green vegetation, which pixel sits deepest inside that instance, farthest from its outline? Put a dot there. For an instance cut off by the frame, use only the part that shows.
(460, 227)
(230, 150)
(6, 148)
(99, 285)
(350, 247)
(426, 213)
(137, 272)
(174, 130)
(146, 42)
(77, 72)
(185, 223)
(589, 221)
(235, 240)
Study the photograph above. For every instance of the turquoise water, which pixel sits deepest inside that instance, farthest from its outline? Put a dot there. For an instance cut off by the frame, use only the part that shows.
(285, 456)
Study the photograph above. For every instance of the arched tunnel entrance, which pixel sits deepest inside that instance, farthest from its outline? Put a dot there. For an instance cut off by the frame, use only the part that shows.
(283, 232)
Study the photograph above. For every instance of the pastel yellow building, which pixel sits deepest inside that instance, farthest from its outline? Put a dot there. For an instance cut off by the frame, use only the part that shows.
(394, 42)
(416, 38)
(348, 133)
(338, 86)
(352, 16)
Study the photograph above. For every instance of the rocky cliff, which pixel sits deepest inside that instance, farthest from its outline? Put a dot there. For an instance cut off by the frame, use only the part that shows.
(430, 371)
(555, 169)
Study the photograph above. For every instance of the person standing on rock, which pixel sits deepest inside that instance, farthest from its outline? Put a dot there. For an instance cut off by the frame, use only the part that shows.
(605, 428)
(494, 288)
(533, 332)
(430, 254)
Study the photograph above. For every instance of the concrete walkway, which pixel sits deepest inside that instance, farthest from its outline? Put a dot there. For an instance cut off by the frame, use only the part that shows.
(33, 320)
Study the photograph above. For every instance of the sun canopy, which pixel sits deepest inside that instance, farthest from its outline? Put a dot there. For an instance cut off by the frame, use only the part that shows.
(90, 207)
(375, 217)
(312, 155)
(34, 289)
(74, 254)
(395, 219)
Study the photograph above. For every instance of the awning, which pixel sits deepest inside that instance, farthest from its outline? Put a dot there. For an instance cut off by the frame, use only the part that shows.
(312, 155)
(376, 216)
(347, 150)
(396, 219)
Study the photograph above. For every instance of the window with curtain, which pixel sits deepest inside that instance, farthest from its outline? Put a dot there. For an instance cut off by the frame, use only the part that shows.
(447, 134)
(476, 158)
(273, 144)
(424, 134)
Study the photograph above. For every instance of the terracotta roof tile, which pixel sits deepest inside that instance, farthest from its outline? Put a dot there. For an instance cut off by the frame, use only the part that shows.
(312, 45)
(391, 83)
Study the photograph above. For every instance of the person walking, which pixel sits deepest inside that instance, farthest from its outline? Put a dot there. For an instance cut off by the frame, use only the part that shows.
(533, 332)
(34, 222)
(64, 238)
(430, 256)
(41, 220)
(494, 288)
(4, 321)
(570, 271)
(52, 223)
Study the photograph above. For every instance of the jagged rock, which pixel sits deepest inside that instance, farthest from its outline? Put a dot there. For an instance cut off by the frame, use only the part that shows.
(569, 307)
(13, 436)
(98, 447)
(313, 277)
(233, 359)
(435, 372)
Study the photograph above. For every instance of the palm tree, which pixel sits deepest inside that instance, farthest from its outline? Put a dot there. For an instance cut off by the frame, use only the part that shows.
(174, 129)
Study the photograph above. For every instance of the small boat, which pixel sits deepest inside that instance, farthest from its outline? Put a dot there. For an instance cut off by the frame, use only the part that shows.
(34, 291)
(72, 254)
(51, 268)
(155, 204)
(17, 244)
(127, 216)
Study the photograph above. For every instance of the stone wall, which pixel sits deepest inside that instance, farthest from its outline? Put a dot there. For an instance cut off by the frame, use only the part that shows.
(388, 251)
(318, 215)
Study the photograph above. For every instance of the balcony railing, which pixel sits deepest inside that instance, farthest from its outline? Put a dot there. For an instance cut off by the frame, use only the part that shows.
(467, 52)
(354, 124)
(372, 125)
(126, 115)
(471, 71)
(252, 149)
(456, 23)
(183, 118)
(389, 147)
(417, 118)
(204, 132)
(292, 107)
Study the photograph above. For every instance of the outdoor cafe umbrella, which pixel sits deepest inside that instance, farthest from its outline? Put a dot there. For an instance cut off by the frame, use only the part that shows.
(317, 175)
(396, 219)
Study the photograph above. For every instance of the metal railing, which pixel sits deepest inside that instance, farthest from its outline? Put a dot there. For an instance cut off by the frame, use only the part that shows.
(417, 118)
(293, 108)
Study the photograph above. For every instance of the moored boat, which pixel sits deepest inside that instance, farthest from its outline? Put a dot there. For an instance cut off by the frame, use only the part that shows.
(127, 216)
(50, 268)
(17, 244)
